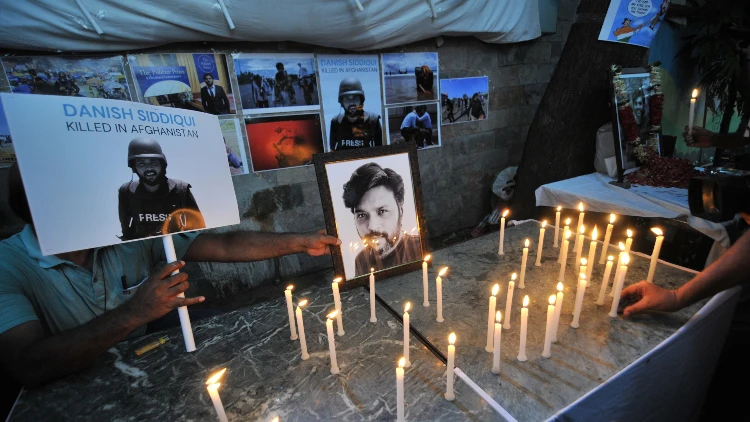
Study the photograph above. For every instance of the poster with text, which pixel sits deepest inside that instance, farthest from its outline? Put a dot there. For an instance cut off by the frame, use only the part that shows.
(236, 157)
(633, 21)
(271, 83)
(284, 141)
(464, 99)
(410, 77)
(101, 172)
(198, 82)
(350, 87)
(92, 77)
(414, 123)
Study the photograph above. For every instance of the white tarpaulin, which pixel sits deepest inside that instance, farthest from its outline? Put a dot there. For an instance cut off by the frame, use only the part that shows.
(126, 25)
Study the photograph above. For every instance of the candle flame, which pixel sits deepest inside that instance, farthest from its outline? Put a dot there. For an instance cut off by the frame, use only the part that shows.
(443, 271)
(407, 307)
(215, 377)
(302, 303)
(630, 233)
(495, 289)
(657, 231)
(559, 208)
(505, 213)
(584, 261)
(625, 259)
(582, 229)
(351, 244)
(498, 317)
(694, 94)
(559, 286)
(544, 223)
(290, 287)
(427, 258)
(611, 219)
(513, 277)
(526, 301)
(621, 245)
(594, 234)
(567, 221)
(412, 230)
(332, 315)
(580, 206)
(401, 362)
(526, 243)
(372, 270)
(610, 258)
(452, 338)
(567, 234)
(552, 300)
(582, 276)
(337, 280)
(276, 419)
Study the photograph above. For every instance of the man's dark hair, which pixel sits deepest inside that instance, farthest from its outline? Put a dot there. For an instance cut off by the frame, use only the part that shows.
(369, 176)
(279, 66)
(420, 108)
(207, 74)
(17, 195)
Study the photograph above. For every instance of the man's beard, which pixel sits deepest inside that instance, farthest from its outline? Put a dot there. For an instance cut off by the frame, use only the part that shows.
(354, 111)
(158, 179)
(382, 243)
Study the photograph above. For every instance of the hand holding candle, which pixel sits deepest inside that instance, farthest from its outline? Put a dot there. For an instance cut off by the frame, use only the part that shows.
(426, 301)
(557, 226)
(331, 344)
(547, 352)
(618, 285)
(496, 343)
(540, 246)
(558, 310)
(301, 327)
(373, 317)
(406, 334)
(290, 311)
(607, 236)
(451, 363)
(212, 385)
(524, 258)
(400, 391)
(337, 304)
(491, 317)
(439, 288)
(605, 280)
(655, 254)
(524, 324)
(500, 250)
(509, 300)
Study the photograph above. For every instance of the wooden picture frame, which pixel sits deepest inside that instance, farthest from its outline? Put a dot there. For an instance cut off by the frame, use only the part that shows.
(334, 171)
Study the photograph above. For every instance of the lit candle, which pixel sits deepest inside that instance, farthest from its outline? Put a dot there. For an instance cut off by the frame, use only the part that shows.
(400, 391)
(509, 300)
(496, 343)
(213, 390)
(439, 288)
(331, 344)
(301, 326)
(451, 362)
(655, 255)
(618, 285)
(607, 236)
(579, 244)
(565, 230)
(502, 233)
(578, 226)
(629, 241)
(691, 118)
(558, 310)
(337, 304)
(540, 246)
(617, 269)
(592, 253)
(564, 262)
(605, 280)
(373, 318)
(406, 334)
(546, 353)
(290, 311)
(582, 270)
(524, 324)
(557, 227)
(491, 317)
(426, 301)
(524, 258)
(579, 300)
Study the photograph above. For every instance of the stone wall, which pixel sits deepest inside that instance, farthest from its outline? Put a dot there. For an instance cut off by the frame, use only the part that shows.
(456, 178)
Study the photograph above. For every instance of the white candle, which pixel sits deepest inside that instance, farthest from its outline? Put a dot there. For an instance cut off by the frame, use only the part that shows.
(655, 254)
(524, 258)
(547, 352)
(400, 391)
(373, 318)
(618, 285)
(558, 310)
(581, 270)
(426, 301)
(509, 301)
(617, 269)
(502, 233)
(540, 246)
(496, 343)
(566, 229)
(524, 323)
(592, 253)
(331, 344)
(406, 334)
(182, 311)
(578, 227)
(491, 317)
(629, 241)
(607, 236)
(439, 288)
(691, 118)
(605, 281)
(579, 300)
(301, 327)
(290, 311)
(579, 244)
(557, 227)
(213, 390)
(337, 304)
(451, 363)
(564, 262)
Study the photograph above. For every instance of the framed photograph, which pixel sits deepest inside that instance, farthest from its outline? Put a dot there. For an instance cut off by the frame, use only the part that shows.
(283, 141)
(414, 123)
(7, 152)
(410, 77)
(234, 144)
(198, 82)
(464, 99)
(372, 201)
(273, 83)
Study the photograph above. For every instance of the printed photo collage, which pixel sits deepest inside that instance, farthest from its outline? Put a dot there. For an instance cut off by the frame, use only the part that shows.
(275, 110)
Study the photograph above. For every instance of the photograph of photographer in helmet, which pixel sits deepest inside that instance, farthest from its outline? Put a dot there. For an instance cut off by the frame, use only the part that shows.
(350, 86)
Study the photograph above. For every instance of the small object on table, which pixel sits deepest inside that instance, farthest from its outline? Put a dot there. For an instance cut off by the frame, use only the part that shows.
(439, 288)
(151, 346)
(605, 280)
(565, 230)
(592, 253)
(400, 391)
(496, 343)
(301, 327)
(524, 324)
(564, 256)
(373, 317)
(579, 244)
(406, 334)
(579, 300)
(547, 352)
(451, 364)
(618, 285)
(426, 301)
(500, 250)
(337, 304)
(509, 300)
(557, 227)
(540, 246)
(491, 317)
(213, 390)
(331, 343)
(524, 259)
(558, 310)
(290, 311)
(655, 254)
(607, 237)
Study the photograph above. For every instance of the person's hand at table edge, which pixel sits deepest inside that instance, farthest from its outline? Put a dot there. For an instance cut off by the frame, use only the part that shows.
(645, 296)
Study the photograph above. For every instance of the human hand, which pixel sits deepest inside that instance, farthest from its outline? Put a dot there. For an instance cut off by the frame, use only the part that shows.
(645, 296)
(317, 243)
(698, 137)
(157, 295)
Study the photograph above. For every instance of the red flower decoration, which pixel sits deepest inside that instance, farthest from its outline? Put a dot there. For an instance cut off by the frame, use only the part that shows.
(656, 105)
(627, 123)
